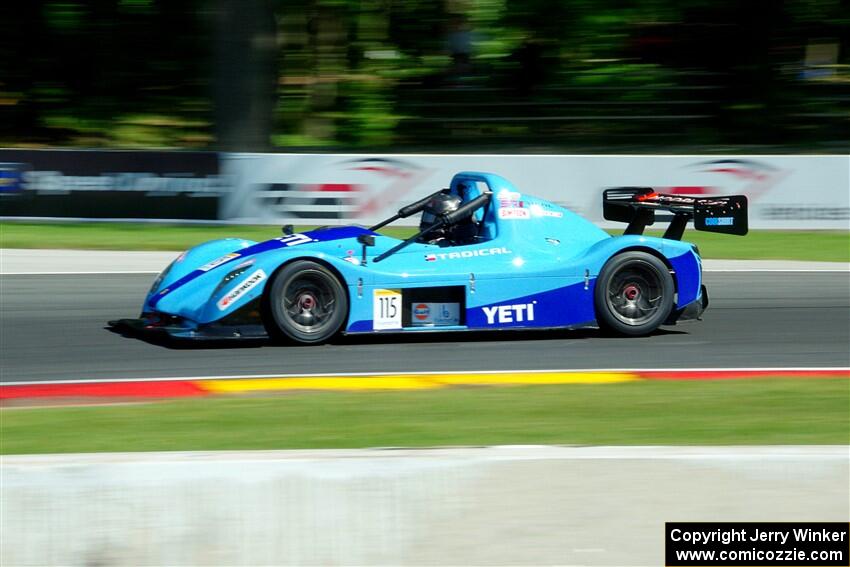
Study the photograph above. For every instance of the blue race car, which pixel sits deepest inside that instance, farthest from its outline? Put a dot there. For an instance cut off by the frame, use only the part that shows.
(485, 257)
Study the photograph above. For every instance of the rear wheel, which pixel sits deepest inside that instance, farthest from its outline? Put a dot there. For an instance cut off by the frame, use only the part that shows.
(634, 294)
(306, 303)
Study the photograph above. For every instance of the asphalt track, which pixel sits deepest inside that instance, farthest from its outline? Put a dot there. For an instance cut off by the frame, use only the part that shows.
(53, 327)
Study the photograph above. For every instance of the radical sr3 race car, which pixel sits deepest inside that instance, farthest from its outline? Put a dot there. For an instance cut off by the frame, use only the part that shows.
(485, 257)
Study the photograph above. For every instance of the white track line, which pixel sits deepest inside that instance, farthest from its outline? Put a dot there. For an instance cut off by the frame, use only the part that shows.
(435, 373)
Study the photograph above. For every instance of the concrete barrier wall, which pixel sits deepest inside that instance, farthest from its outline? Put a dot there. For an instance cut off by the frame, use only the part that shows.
(790, 191)
(805, 192)
(481, 506)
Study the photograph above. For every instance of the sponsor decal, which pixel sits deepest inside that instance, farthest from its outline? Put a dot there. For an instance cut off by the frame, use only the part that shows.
(674, 200)
(514, 213)
(352, 260)
(108, 184)
(541, 211)
(421, 311)
(720, 221)
(757, 177)
(509, 313)
(448, 314)
(241, 289)
(361, 187)
(509, 199)
(11, 178)
(435, 314)
(745, 176)
(158, 184)
(294, 239)
(804, 213)
(297, 200)
(467, 254)
(390, 179)
(218, 262)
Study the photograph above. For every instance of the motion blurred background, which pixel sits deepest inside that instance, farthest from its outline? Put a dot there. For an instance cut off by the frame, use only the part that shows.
(416, 75)
(762, 85)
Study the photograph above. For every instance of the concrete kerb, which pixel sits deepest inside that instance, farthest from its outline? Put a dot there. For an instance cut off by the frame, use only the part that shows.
(517, 505)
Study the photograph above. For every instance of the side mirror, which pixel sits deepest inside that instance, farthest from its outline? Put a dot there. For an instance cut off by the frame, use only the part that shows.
(288, 229)
(366, 240)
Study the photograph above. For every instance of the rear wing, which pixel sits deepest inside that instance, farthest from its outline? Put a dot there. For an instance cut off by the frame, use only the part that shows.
(637, 206)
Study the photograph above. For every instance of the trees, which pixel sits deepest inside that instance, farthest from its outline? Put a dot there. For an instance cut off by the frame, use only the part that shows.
(244, 74)
(262, 74)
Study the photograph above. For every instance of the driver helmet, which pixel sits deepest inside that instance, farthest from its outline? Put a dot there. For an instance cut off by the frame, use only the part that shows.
(438, 205)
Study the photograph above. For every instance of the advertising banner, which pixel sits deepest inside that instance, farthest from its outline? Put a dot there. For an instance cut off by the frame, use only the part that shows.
(110, 184)
(784, 192)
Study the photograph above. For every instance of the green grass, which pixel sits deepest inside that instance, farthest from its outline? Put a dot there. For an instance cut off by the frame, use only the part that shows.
(734, 412)
(132, 236)
(811, 245)
(826, 246)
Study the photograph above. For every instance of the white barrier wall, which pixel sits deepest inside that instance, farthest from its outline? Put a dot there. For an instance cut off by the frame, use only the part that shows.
(482, 506)
(811, 192)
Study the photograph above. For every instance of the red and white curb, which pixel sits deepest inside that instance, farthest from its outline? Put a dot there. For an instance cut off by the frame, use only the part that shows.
(158, 388)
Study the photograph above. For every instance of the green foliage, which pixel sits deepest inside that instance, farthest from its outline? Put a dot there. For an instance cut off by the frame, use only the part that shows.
(818, 245)
(823, 246)
(729, 412)
(133, 236)
(380, 75)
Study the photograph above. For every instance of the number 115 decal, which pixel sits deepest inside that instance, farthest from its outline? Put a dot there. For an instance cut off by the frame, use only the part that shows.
(386, 309)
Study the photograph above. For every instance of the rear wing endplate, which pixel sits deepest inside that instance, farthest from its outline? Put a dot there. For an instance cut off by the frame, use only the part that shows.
(637, 206)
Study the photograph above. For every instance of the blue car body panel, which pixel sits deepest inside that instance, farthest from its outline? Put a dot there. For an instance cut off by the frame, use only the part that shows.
(534, 265)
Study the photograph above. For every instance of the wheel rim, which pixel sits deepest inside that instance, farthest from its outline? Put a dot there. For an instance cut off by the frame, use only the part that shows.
(634, 294)
(309, 302)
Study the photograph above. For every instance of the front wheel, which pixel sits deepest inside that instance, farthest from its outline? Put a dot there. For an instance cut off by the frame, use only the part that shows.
(634, 294)
(306, 303)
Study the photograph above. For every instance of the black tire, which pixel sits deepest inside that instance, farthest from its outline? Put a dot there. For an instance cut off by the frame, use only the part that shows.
(306, 303)
(633, 295)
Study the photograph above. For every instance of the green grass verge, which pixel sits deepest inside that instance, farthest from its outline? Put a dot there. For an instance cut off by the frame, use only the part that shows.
(812, 246)
(824, 246)
(733, 412)
(132, 236)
